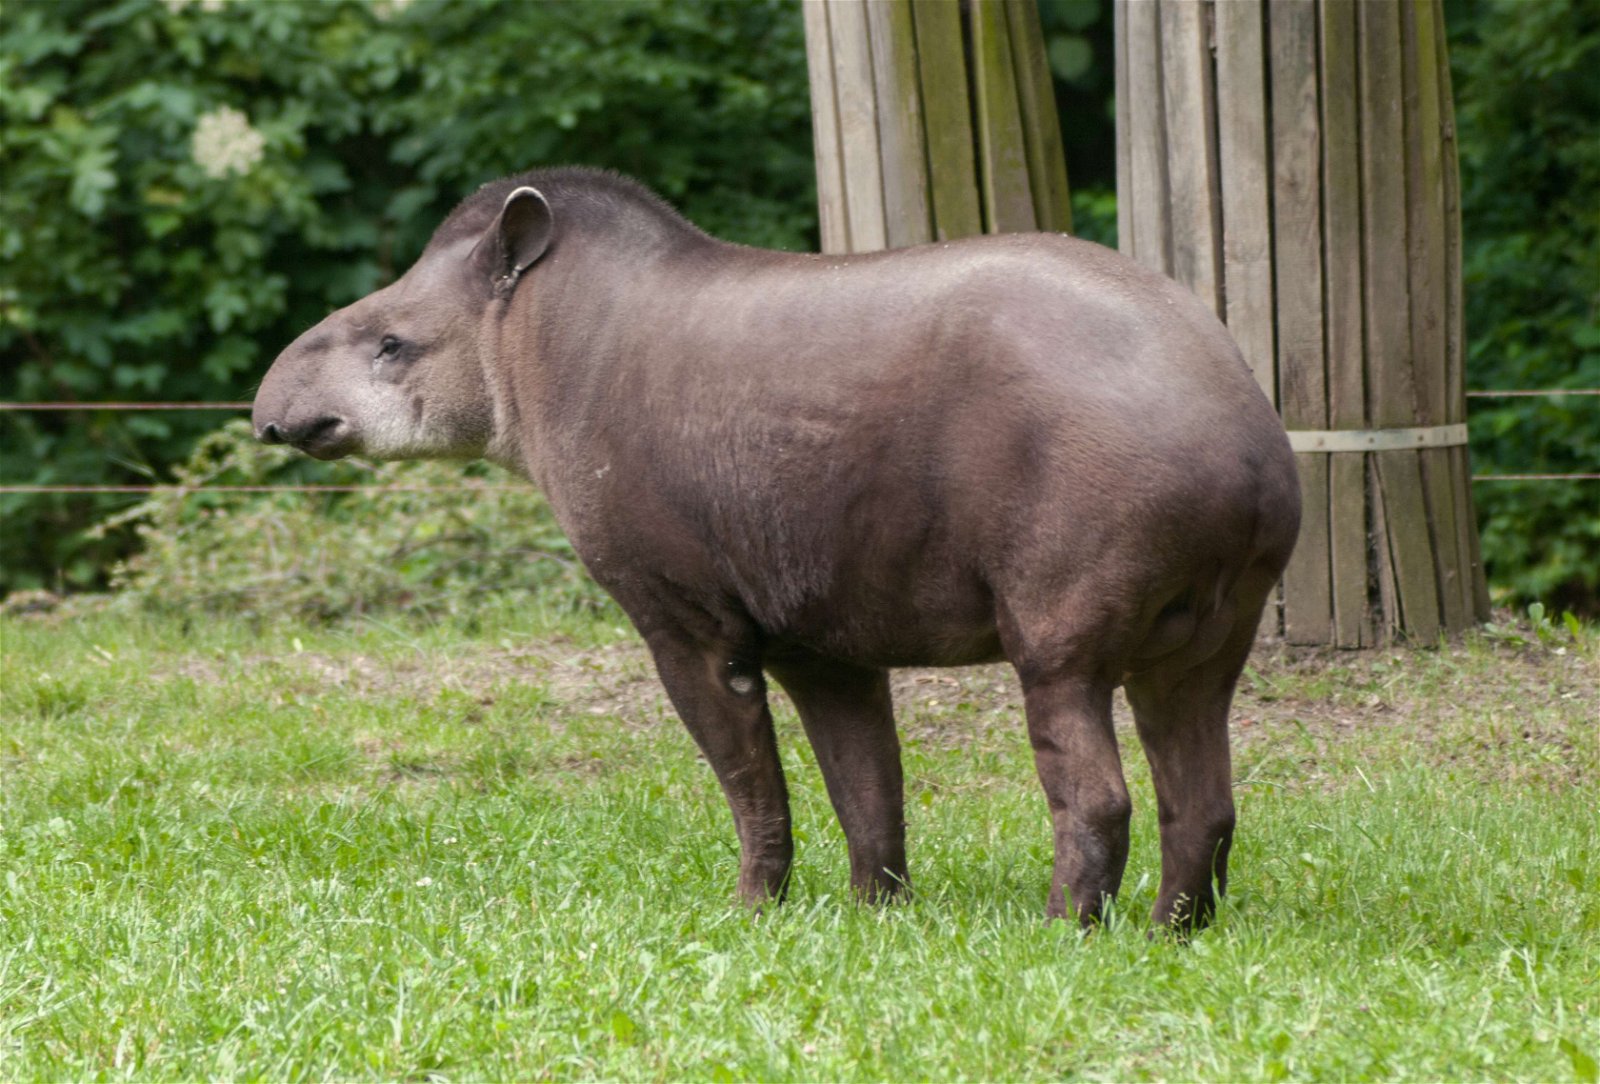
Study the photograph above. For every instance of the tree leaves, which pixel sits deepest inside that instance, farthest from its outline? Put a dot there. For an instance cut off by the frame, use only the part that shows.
(1530, 168)
(130, 270)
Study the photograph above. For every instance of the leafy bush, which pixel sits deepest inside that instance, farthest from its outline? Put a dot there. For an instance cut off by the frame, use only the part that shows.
(429, 538)
(1527, 99)
(191, 183)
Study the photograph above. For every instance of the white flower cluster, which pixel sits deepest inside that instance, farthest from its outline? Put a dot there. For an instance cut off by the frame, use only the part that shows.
(225, 143)
(385, 9)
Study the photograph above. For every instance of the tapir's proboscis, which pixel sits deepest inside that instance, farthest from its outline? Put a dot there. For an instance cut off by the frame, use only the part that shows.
(815, 468)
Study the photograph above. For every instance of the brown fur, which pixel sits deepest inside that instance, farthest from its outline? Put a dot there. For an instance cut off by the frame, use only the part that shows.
(819, 467)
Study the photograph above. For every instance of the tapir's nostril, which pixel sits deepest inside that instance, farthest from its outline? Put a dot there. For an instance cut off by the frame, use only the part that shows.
(301, 434)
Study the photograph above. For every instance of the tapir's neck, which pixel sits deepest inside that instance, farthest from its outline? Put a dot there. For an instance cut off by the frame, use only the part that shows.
(559, 349)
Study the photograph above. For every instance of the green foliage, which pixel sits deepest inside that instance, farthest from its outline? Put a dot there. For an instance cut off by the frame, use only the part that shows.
(1545, 631)
(134, 271)
(439, 541)
(1079, 46)
(1527, 99)
(1082, 56)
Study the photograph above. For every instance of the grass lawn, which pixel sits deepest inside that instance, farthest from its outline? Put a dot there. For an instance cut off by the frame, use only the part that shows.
(396, 851)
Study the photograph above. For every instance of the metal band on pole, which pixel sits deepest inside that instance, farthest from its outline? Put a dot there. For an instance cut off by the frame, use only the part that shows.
(1377, 440)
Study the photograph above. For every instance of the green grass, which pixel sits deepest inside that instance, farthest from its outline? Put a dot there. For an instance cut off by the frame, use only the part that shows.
(391, 851)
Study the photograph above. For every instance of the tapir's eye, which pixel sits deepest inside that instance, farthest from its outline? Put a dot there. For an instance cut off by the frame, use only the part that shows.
(389, 348)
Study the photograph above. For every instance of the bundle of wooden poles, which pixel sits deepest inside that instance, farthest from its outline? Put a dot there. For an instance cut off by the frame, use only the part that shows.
(1294, 163)
(933, 120)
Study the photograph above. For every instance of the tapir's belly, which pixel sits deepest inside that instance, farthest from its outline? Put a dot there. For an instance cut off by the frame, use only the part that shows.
(957, 632)
(896, 607)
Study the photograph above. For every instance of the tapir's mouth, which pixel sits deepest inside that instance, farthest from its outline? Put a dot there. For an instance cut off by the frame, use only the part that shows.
(333, 441)
(331, 450)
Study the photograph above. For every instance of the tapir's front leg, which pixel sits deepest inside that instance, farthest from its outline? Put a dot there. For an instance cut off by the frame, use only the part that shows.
(722, 699)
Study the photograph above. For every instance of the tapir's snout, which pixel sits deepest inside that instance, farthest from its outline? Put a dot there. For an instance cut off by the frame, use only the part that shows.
(289, 410)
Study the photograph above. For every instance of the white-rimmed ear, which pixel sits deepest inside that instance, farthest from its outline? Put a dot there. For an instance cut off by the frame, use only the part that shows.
(519, 236)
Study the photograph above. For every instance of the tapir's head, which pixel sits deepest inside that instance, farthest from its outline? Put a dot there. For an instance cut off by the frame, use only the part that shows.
(400, 374)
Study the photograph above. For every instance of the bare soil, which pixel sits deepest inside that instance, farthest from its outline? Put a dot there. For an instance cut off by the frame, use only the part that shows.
(1538, 701)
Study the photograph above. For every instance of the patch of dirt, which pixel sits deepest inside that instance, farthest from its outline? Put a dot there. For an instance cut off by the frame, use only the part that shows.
(1371, 685)
(1484, 697)
(29, 603)
(616, 680)
(1496, 709)
(944, 708)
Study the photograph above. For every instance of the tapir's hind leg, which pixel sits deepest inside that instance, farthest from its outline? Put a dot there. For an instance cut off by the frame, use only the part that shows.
(722, 699)
(1181, 713)
(1075, 751)
(849, 718)
(1054, 642)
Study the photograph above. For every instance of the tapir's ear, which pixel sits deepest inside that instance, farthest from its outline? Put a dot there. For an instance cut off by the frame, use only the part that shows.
(518, 237)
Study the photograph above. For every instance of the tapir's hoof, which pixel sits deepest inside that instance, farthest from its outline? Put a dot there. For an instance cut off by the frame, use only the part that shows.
(882, 891)
(759, 893)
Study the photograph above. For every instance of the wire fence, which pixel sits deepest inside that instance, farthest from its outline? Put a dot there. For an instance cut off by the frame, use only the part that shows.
(1529, 392)
(123, 406)
(1516, 393)
(307, 488)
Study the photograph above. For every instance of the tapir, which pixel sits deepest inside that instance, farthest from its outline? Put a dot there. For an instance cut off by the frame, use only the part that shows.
(814, 468)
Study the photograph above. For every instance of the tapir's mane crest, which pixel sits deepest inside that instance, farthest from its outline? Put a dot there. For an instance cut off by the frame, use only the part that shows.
(579, 196)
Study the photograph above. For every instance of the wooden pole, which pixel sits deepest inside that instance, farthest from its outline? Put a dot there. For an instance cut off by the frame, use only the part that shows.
(901, 136)
(1041, 128)
(933, 119)
(856, 101)
(1477, 587)
(1293, 162)
(1194, 192)
(1341, 263)
(1297, 268)
(1002, 153)
(833, 219)
(1245, 176)
(1148, 240)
